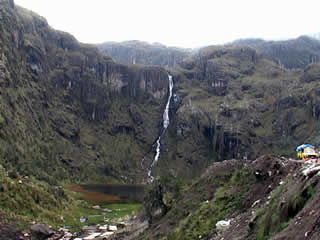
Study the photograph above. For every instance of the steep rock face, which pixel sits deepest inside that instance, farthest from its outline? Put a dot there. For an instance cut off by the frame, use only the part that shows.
(136, 52)
(68, 110)
(219, 65)
(295, 53)
(231, 102)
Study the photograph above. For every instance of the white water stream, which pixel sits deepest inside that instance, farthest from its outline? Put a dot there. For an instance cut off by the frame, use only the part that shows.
(166, 122)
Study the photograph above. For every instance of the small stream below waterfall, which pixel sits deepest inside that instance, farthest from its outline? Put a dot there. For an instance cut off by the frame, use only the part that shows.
(166, 122)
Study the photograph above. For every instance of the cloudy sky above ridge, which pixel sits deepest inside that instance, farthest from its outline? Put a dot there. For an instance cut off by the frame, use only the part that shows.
(180, 23)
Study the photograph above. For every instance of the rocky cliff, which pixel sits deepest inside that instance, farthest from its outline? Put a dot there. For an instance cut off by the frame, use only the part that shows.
(231, 102)
(294, 53)
(68, 111)
(137, 52)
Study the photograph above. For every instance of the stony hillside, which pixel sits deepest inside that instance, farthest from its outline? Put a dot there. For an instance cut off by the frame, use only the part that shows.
(269, 198)
(294, 53)
(137, 52)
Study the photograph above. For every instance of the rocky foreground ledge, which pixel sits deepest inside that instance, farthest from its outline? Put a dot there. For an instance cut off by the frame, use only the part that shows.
(286, 208)
(98, 232)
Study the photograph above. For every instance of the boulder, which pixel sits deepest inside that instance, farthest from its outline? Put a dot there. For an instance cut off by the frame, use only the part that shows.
(104, 227)
(9, 232)
(40, 232)
(311, 170)
(92, 236)
(223, 225)
(107, 234)
(112, 228)
(107, 210)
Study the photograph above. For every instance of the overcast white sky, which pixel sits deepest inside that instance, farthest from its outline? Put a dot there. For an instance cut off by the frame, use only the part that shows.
(181, 23)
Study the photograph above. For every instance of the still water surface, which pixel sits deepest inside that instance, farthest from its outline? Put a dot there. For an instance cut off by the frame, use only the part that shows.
(124, 192)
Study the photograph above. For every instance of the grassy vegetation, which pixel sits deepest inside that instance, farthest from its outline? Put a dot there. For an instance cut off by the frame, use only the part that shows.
(121, 210)
(94, 216)
(24, 200)
(97, 208)
(28, 199)
(279, 213)
(226, 200)
(269, 220)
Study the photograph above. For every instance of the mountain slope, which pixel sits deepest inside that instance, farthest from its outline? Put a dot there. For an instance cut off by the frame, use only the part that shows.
(69, 113)
(233, 103)
(294, 53)
(66, 109)
(269, 198)
(137, 52)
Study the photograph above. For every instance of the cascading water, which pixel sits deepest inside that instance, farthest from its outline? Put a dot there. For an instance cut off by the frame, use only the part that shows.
(166, 122)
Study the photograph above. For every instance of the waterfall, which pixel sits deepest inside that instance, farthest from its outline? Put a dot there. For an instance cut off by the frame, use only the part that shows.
(166, 111)
(166, 122)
